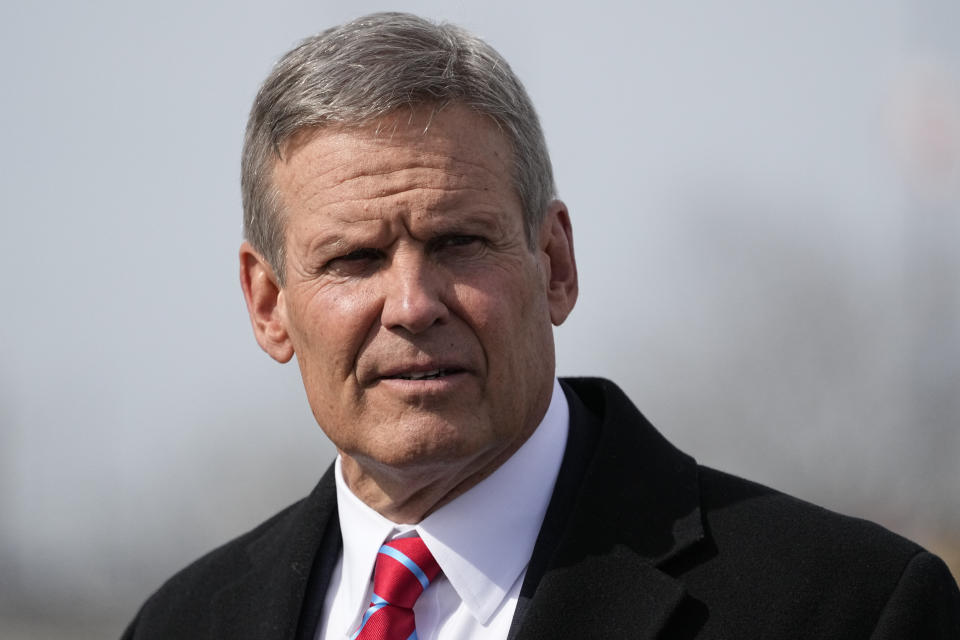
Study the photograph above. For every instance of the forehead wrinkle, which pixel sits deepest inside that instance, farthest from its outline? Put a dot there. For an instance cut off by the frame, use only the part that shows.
(360, 220)
(331, 160)
(449, 175)
(366, 187)
(407, 193)
(412, 204)
(443, 169)
(424, 151)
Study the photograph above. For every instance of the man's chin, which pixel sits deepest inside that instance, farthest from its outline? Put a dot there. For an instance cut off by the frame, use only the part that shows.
(426, 444)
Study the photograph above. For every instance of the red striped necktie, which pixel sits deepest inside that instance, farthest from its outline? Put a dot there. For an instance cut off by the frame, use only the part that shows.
(404, 569)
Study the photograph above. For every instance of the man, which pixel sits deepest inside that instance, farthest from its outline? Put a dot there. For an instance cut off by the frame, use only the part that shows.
(403, 241)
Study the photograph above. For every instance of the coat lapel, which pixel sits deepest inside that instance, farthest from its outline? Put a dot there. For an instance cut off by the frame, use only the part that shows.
(616, 595)
(636, 506)
(269, 599)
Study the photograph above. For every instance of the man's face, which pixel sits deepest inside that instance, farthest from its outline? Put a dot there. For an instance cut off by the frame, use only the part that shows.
(420, 317)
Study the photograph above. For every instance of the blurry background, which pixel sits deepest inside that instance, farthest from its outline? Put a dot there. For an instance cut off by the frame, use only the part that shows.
(766, 202)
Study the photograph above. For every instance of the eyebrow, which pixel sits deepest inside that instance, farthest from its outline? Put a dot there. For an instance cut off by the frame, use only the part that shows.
(328, 244)
(348, 235)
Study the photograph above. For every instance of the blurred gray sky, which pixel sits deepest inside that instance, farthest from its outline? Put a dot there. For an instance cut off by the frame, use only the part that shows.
(766, 208)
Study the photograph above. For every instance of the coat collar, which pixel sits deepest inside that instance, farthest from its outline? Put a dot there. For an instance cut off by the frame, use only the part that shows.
(636, 506)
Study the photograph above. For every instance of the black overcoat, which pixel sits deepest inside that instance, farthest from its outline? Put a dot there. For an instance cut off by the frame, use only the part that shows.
(638, 542)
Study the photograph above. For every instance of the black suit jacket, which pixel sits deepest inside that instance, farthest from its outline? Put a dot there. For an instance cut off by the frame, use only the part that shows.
(638, 542)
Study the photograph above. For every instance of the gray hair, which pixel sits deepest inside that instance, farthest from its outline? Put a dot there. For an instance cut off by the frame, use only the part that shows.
(365, 69)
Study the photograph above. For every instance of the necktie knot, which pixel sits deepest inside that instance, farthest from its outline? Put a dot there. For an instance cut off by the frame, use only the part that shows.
(404, 568)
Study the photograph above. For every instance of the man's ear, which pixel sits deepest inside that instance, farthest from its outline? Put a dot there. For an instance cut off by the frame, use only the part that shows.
(264, 304)
(556, 245)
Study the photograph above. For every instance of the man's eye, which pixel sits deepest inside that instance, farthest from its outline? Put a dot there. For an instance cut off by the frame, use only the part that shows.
(459, 241)
(361, 254)
(353, 262)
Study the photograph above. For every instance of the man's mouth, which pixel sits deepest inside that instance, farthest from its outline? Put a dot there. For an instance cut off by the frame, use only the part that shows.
(424, 375)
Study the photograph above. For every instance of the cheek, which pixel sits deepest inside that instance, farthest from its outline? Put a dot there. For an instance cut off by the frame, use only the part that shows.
(332, 326)
(505, 313)
(475, 305)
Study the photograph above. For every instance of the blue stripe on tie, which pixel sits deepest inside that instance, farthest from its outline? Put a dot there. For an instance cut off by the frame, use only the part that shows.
(407, 562)
(376, 604)
(413, 636)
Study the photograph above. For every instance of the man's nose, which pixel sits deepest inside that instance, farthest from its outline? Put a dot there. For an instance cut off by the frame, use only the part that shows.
(413, 294)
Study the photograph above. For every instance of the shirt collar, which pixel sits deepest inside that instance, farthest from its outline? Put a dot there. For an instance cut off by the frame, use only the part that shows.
(481, 541)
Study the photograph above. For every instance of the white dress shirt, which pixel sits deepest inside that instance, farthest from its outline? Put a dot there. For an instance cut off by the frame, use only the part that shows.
(482, 541)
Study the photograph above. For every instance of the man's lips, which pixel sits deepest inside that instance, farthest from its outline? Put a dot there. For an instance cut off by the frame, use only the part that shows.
(420, 372)
(424, 375)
